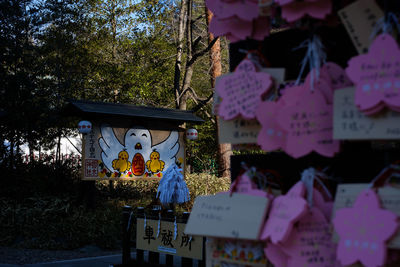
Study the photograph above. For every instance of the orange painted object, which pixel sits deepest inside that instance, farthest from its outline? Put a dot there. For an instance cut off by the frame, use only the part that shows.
(138, 167)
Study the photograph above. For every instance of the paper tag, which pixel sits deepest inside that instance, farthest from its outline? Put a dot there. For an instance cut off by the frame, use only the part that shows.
(245, 10)
(350, 124)
(309, 244)
(346, 194)
(241, 92)
(337, 75)
(271, 136)
(285, 211)
(275, 255)
(237, 216)
(309, 125)
(359, 19)
(363, 230)
(295, 10)
(376, 75)
(236, 29)
(325, 207)
(240, 131)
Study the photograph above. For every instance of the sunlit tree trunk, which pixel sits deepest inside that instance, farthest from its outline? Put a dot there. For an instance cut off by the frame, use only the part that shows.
(179, 50)
(224, 150)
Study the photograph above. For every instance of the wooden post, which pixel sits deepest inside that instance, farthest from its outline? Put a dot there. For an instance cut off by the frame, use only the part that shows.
(126, 234)
(139, 252)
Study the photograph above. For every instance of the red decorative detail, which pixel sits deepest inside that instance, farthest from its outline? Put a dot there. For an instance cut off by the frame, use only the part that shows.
(91, 168)
(138, 165)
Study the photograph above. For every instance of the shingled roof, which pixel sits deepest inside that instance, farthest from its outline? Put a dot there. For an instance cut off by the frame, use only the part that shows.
(81, 107)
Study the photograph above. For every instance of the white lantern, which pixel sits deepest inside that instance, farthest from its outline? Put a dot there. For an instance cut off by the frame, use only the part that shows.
(192, 134)
(85, 127)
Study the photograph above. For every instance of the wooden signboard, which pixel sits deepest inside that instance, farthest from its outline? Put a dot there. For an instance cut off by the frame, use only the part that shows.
(238, 216)
(130, 152)
(240, 131)
(182, 245)
(346, 194)
(359, 19)
(350, 124)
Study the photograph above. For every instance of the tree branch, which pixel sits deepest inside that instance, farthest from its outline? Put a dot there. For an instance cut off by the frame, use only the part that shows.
(202, 52)
(201, 104)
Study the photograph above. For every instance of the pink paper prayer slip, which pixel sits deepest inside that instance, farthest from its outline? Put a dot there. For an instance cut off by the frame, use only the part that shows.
(364, 230)
(271, 135)
(285, 211)
(294, 10)
(376, 75)
(241, 91)
(309, 124)
(310, 242)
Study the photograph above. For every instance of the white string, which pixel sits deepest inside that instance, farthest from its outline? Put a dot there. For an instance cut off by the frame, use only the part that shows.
(384, 25)
(376, 178)
(315, 57)
(158, 225)
(307, 177)
(145, 222)
(261, 178)
(175, 229)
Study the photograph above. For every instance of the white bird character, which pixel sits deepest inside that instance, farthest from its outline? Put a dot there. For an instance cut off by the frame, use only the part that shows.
(138, 141)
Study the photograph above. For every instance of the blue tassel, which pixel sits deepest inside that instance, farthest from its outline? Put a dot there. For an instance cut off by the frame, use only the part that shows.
(172, 187)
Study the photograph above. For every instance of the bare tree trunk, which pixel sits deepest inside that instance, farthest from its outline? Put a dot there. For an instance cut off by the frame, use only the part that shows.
(58, 153)
(179, 50)
(31, 152)
(187, 79)
(224, 150)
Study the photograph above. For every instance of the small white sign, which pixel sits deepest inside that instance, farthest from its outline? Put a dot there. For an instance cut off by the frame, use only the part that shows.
(238, 216)
(350, 124)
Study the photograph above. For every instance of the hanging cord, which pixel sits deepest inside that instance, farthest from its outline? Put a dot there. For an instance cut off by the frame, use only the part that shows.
(308, 176)
(262, 180)
(385, 25)
(175, 229)
(145, 222)
(158, 225)
(315, 57)
(254, 56)
(386, 173)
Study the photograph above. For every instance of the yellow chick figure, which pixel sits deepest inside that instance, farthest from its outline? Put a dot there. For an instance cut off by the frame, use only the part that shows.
(121, 164)
(155, 165)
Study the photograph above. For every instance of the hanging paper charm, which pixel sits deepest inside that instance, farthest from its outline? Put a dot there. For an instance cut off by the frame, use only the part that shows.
(364, 230)
(241, 91)
(172, 187)
(376, 76)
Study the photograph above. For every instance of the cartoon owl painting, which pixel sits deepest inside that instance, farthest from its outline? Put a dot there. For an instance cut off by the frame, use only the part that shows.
(137, 145)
